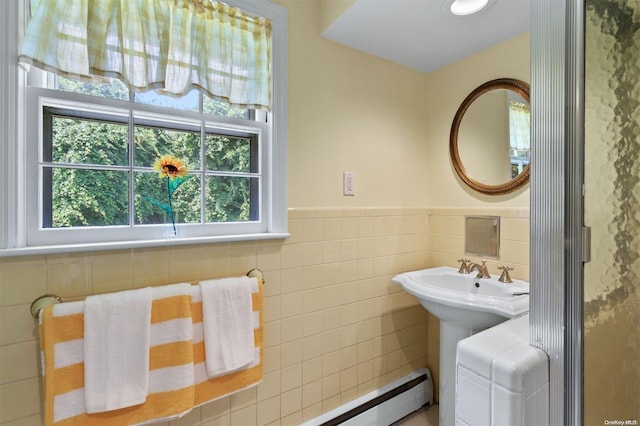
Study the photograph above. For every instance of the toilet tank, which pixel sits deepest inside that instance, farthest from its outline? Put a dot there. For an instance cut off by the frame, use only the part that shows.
(500, 379)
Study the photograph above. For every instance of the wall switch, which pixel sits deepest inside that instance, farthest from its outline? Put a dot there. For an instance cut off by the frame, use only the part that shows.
(349, 183)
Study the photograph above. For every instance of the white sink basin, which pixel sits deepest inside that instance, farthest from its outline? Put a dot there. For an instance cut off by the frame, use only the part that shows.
(465, 305)
(477, 303)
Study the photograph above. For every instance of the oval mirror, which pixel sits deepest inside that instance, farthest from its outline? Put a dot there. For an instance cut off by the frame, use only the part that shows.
(490, 138)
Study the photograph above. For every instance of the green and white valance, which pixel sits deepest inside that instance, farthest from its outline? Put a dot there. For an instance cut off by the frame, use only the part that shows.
(172, 45)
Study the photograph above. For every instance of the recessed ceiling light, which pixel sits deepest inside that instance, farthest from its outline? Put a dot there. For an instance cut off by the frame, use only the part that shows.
(467, 7)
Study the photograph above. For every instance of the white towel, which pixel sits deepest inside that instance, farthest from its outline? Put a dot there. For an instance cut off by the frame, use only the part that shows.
(117, 330)
(227, 324)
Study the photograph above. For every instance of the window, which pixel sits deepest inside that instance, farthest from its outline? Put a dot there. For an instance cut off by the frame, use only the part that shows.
(91, 149)
(519, 137)
(95, 164)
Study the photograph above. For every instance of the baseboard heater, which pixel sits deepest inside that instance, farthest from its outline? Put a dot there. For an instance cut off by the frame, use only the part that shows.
(383, 406)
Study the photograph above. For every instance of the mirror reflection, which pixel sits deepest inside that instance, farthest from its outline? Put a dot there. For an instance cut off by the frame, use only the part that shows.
(490, 137)
(493, 139)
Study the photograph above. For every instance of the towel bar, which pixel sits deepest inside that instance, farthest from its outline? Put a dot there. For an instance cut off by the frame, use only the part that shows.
(51, 299)
(42, 302)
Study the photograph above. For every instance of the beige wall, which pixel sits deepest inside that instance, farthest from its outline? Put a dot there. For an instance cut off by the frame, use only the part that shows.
(330, 10)
(335, 327)
(350, 111)
(483, 139)
(446, 89)
(446, 238)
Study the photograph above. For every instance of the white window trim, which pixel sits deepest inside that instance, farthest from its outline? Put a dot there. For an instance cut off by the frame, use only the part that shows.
(13, 142)
(38, 98)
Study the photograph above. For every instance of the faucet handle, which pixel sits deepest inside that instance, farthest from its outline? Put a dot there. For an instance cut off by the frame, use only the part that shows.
(504, 277)
(464, 268)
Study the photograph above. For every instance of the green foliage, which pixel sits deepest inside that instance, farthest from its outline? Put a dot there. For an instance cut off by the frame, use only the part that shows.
(90, 197)
(211, 106)
(227, 199)
(223, 153)
(111, 88)
(152, 142)
(79, 141)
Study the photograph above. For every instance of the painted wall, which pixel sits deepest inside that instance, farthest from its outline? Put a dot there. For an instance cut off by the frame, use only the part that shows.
(335, 327)
(446, 89)
(350, 111)
(330, 10)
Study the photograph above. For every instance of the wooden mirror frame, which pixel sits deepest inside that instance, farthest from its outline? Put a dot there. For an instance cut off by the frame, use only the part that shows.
(521, 88)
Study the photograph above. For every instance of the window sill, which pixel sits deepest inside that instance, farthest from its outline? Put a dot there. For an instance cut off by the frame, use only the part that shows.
(123, 245)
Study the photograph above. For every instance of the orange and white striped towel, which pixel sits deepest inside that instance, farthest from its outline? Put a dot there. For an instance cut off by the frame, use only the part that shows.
(209, 389)
(171, 376)
(177, 347)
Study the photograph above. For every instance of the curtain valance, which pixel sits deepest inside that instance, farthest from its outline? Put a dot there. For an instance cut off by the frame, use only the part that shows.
(173, 45)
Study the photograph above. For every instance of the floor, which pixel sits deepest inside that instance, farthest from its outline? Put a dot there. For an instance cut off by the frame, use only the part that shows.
(426, 416)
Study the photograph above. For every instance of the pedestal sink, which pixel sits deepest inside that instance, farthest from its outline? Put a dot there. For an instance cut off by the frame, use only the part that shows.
(465, 305)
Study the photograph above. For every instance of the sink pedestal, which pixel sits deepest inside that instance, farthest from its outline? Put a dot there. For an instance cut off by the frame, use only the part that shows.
(450, 334)
(464, 304)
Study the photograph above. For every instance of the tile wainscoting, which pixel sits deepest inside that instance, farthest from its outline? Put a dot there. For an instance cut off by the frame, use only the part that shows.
(335, 326)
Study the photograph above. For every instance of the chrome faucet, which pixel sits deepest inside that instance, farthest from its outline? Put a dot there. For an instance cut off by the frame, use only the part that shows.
(482, 269)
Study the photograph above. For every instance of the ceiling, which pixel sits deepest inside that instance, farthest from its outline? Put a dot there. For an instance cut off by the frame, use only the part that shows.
(423, 34)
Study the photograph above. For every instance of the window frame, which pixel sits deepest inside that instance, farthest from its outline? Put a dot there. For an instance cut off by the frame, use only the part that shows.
(16, 225)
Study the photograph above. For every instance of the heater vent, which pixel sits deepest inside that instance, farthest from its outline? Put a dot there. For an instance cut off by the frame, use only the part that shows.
(385, 405)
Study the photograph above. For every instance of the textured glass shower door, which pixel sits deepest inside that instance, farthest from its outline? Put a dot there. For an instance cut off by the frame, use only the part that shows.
(612, 210)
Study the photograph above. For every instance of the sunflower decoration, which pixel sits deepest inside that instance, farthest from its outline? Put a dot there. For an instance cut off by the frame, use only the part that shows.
(170, 167)
(175, 172)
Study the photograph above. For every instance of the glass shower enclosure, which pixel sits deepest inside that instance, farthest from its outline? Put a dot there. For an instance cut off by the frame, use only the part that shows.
(585, 207)
(612, 211)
